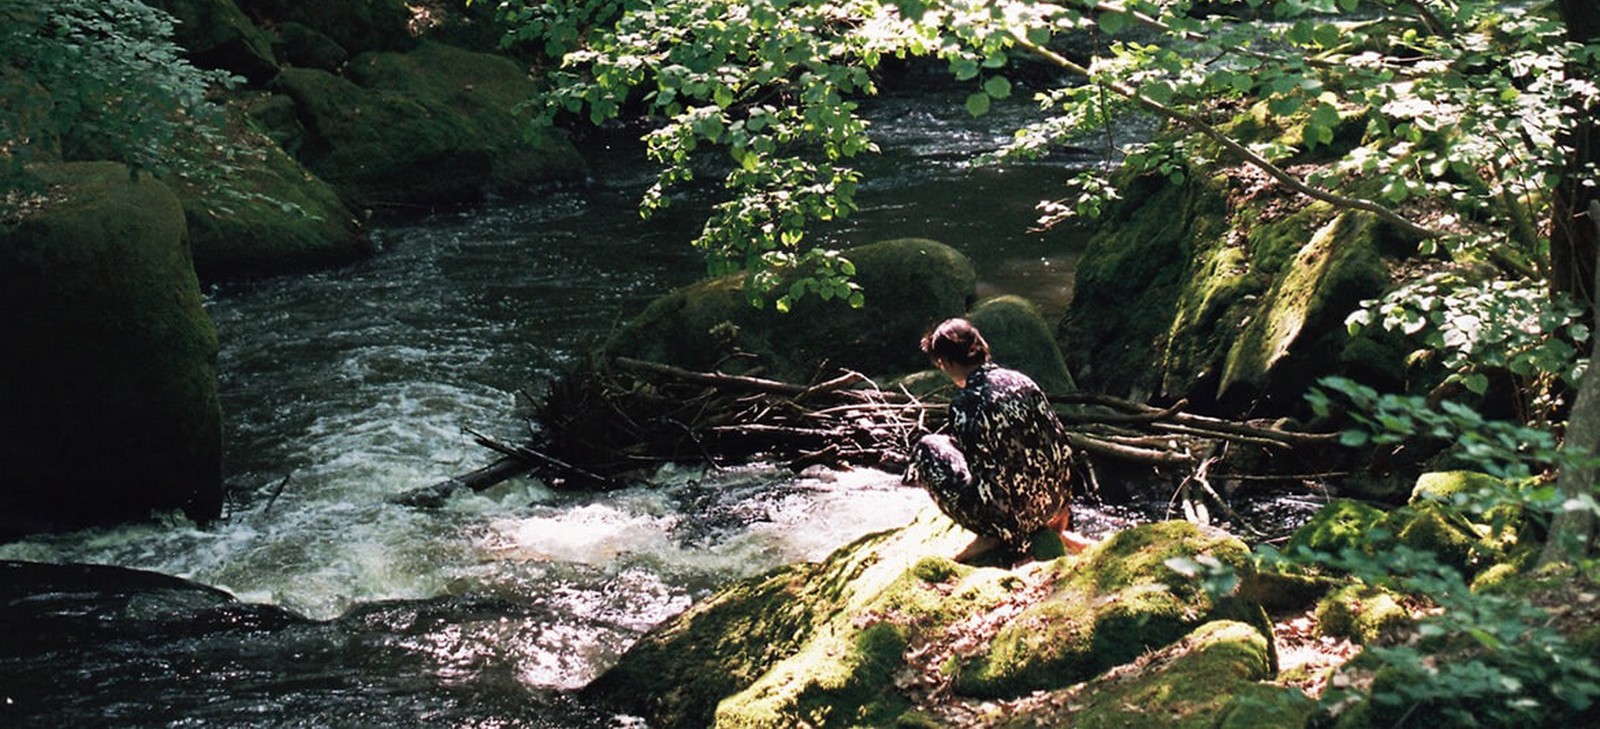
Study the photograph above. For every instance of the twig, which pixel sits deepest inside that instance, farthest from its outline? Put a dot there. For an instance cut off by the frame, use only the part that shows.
(276, 492)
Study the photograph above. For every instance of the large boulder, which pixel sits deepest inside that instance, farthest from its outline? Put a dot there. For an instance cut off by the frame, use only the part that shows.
(356, 25)
(217, 34)
(911, 284)
(1211, 291)
(269, 215)
(888, 632)
(434, 125)
(109, 376)
(1194, 683)
(1122, 599)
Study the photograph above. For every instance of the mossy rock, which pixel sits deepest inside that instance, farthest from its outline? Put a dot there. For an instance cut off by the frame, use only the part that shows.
(356, 25)
(109, 350)
(1133, 272)
(1021, 339)
(1342, 524)
(1206, 290)
(432, 126)
(1447, 486)
(844, 675)
(1118, 600)
(217, 34)
(1265, 706)
(1430, 526)
(306, 47)
(911, 284)
(1300, 322)
(789, 642)
(1362, 613)
(1192, 683)
(271, 216)
(1286, 589)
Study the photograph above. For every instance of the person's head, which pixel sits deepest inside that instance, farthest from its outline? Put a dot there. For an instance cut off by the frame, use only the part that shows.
(956, 342)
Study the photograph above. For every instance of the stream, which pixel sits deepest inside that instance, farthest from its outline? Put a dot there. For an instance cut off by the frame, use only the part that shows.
(343, 389)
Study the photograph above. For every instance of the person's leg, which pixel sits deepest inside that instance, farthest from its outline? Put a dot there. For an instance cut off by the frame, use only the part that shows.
(1071, 540)
(939, 466)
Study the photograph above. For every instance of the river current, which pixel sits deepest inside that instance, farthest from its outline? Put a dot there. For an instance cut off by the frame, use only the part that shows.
(344, 389)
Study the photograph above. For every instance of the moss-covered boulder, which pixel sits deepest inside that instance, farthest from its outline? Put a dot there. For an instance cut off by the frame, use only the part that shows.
(911, 284)
(1120, 599)
(217, 34)
(434, 125)
(1430, 526)
(888, 631)
(269, 215)
(1342, 524)
(788, 642)
(1300, 321)
(356, 25)
(301, 45)
(1020, 338)
(1362, 613)
(1214, 291)
(1191, 683)
(109, 373)
(1128, 283)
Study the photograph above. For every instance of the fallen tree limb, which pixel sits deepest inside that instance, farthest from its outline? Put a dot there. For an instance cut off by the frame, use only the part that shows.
(620, 417)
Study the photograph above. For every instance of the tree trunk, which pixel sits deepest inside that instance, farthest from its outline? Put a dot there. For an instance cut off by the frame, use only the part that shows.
(1572, 240)
(1573, 526)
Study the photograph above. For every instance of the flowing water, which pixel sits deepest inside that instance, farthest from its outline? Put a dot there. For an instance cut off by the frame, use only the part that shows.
(346, 388)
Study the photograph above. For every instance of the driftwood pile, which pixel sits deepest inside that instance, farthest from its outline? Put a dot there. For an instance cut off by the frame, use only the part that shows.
(623, 419)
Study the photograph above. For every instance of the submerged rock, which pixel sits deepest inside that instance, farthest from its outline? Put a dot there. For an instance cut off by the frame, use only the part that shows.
(888, 631)
(109, 376)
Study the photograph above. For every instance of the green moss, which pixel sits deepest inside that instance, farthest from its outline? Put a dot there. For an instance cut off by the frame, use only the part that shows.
(1188, 684)
(434, 125)
(1133, 272)
(1342, 524)
(270, 216)
(1434, 527)
(1340, 266)
(805, 637)
(1279, 591)
(217, 34)
(1361, 613)
(106, 343)
(1112, 604)
(1447, 486)
(357, 25)
(1263, 706)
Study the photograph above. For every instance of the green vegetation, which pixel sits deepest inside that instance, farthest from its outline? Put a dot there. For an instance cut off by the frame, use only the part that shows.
(98, 79)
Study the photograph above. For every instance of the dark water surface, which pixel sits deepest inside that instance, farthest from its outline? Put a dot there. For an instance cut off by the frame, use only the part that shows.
(345, 388)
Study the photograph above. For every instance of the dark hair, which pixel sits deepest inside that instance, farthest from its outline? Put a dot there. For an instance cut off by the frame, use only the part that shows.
(958, 341)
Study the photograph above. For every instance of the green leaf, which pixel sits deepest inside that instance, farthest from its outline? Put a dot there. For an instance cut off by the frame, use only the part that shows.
(998, 87)
(1477, 383)
(978, 104)
(1112, 22)
(1284, 105)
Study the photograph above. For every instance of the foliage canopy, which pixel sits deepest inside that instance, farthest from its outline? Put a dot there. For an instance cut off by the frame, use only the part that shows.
(96, 79)
(1458, 107)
